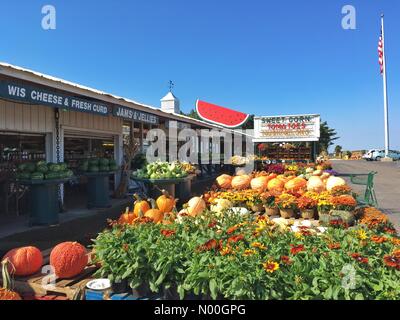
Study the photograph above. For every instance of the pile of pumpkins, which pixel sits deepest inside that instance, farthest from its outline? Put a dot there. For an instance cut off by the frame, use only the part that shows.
(318, 181)
(162, 210)
(68, 259)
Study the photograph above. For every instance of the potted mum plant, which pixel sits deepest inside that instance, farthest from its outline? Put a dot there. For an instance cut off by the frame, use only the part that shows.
(287, 204)
(343, 207)
(270, 206)
(324, 207)
(307, 207)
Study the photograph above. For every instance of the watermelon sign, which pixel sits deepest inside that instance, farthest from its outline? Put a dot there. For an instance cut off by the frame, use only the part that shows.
(220, 115)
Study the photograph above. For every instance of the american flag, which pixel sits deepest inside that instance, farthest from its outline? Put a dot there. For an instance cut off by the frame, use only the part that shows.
(380, 52)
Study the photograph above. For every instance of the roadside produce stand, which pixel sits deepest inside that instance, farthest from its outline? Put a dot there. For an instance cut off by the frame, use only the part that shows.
(98, 189)
(44, 200)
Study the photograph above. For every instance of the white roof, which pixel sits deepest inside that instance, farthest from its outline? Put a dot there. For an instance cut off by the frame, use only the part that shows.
(170, 97)
(43, 79)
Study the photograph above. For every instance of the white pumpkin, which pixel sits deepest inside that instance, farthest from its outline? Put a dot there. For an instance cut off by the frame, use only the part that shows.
(315, 184)
(221, 205)
(309, 170)
(334, 182)
(317, 173)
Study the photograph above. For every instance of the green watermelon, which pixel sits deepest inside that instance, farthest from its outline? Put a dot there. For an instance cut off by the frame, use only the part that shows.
(42, 168)
(51, 175)
(69, 173)
(21, 167)
(63, 166)
(113, 167)
(23, 176)
(30, 167)
(54, 167)
(37, 176)
(93, 162)
(104, 162)
(112, 162)
(104, 168)
(41, 163)
(94, 168)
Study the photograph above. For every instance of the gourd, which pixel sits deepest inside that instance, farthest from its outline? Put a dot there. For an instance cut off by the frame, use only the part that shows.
(140, 206)
(334, 182)
(195, 206)
(155, 214)
(241, 182)
(276, 184)
(25, 260)
(5, 292)
(224, 181)
(68, 259)
(296, 184)
(260, 183)
(221, 205)
(165, 203)
(315, 184)
(127, 217)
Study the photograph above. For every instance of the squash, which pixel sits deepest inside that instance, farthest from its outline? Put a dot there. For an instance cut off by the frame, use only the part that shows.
(221, 205)
(241, 182)
(317, 173)
(140, 206)
(127, 217)
(224, 181)
(155, 214)
(296, 184)
(68, 259)
(165, 203)
(276, 184)
(25, 260)
(334, 182)
(315, 184)
(5, 292)
(260, 183)
(195, 206)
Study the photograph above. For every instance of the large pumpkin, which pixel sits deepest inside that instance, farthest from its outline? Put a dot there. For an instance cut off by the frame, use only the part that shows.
(127, 217)
(241, 182)
(195, 206)
(224, 181)
(68, 259)
(165, 203)
(260, 183)
(296, 184)
(155, 214)
(315, 184)
(334, 182)
(25, 260)
(276, 184)
(141, 206)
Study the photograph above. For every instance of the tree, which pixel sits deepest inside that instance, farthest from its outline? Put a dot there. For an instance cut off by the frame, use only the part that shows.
(328, 136)
(338, 150)
(192, 114)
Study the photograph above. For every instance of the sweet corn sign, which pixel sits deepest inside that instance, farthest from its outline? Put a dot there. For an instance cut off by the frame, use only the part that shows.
(287, 128)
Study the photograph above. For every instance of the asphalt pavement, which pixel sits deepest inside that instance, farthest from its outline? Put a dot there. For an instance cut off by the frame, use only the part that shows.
(387, 183)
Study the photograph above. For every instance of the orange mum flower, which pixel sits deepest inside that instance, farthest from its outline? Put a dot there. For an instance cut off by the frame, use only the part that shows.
(378, 239)
(167, 233)
(209, 245)
(286, 260)
(271, 266)
(235, 239)
(296, 249)
(393, 260)
(232, 229)
(334, 246)
(359, 258)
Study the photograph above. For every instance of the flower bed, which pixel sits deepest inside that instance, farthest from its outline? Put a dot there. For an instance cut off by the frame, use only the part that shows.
(250, 257)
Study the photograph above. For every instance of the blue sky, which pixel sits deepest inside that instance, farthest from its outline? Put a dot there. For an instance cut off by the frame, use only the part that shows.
(261, 57)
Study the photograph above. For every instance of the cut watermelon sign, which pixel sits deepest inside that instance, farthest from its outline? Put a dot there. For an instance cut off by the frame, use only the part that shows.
(220, 115)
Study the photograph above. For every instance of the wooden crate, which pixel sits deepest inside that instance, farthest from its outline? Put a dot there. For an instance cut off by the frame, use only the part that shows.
(33, 285)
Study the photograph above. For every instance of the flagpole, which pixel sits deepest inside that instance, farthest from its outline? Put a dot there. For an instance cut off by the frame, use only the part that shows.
(385, 98)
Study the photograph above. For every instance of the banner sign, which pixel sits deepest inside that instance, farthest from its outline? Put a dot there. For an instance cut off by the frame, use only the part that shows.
(135, 115)
(287, 128)
(32, 95)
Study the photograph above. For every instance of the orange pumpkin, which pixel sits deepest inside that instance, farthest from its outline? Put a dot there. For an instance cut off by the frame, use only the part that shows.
(127, 217)
(25, 260)
(140, 206)
(5, 292)
(168, 218)
(260, 183)
(224, 181)
(155, 214)
(276, 184)
(165, 203)
(68, 259)
(195, 206)
(296, 184)
(241, 182)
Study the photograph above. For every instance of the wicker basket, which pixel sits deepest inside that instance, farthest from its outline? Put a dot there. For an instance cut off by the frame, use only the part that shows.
(287, 213)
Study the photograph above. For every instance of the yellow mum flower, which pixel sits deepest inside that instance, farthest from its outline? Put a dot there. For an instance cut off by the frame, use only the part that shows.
(258, 245)
(249, 252)
(362, 235)
(271, 266)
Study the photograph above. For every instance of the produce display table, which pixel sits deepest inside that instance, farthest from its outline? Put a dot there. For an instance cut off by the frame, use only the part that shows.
(98, 189)
(44, 200)
(184, 189)
(166, 184)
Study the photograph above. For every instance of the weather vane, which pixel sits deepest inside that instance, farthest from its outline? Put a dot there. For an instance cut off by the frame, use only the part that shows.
(171, 85)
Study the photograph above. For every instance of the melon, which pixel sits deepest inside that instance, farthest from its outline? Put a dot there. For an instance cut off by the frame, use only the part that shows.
(220, 115)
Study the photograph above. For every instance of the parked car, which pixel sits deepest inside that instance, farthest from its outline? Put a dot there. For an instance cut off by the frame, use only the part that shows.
(378, 154)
